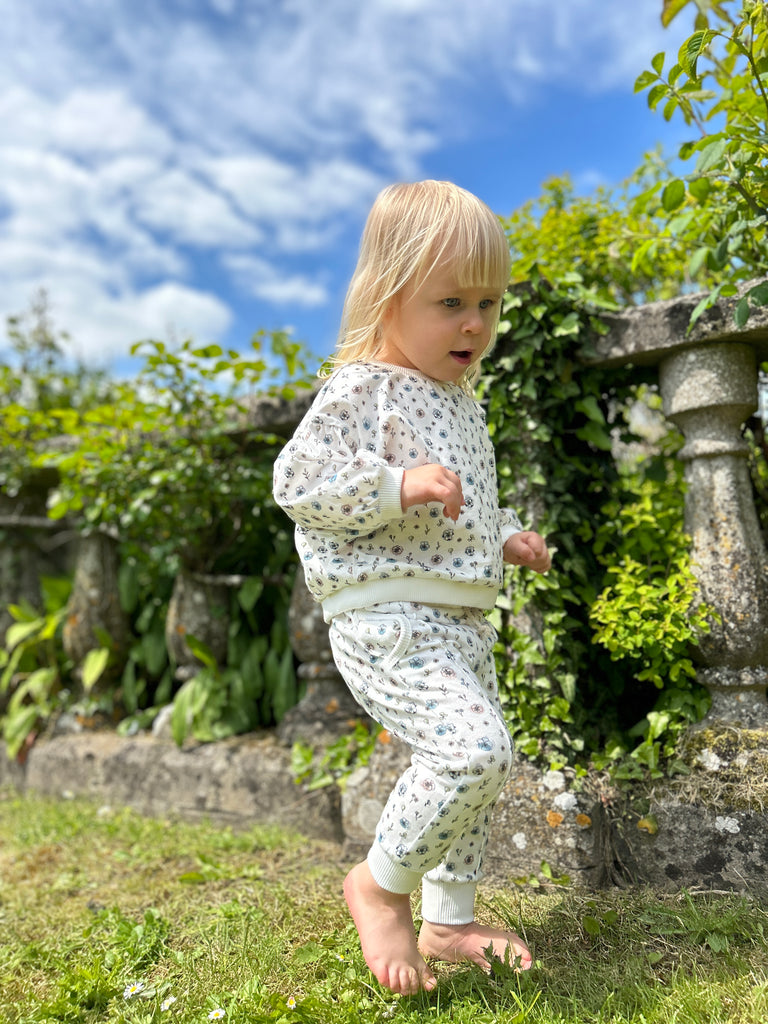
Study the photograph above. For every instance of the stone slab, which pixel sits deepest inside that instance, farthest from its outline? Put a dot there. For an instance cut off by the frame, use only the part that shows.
(644, 335)
(542, 827)
(241, 781)
(693, 846)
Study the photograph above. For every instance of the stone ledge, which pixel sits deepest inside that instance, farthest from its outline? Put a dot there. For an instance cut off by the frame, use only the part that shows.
(538, 819)
(239, 781)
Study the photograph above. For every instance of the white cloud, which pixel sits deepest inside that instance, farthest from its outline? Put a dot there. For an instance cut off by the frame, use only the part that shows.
(263, 280)
(103, 325)
(289, 197)
(192, 212)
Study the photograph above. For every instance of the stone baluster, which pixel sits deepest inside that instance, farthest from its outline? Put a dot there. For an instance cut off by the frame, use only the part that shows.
(325, 711)
(709, 391)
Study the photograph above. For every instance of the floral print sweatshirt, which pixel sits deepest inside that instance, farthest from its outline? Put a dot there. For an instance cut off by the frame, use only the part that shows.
(339, 479)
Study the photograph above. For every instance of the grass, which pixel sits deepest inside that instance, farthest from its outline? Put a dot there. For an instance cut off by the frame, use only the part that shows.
(106, 916)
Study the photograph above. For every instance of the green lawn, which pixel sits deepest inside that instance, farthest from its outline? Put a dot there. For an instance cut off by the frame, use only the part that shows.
(106, 916)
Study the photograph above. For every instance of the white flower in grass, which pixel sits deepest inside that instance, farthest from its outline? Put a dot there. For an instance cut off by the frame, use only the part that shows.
(167, 1003)
(133, 990)
(290, 1002)
(217, 1014)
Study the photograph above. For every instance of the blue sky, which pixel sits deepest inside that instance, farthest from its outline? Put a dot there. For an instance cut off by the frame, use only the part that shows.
(174, 168)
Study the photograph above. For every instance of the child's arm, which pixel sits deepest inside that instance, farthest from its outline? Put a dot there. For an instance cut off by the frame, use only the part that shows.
(528, 548)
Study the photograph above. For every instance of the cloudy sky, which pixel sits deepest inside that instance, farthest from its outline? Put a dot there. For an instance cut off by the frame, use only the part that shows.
(203, 167)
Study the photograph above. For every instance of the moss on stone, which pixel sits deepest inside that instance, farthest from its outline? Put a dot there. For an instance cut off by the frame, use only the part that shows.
(728, 768)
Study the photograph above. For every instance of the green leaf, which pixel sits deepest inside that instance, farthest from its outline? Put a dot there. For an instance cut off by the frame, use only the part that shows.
(93, 667)
(692, 49)
(673, 195)
(670, 107)
(201, 651)
(644, 79)
(17, 727)
(250, 592)
(657, 63)
(670, 10)
(759, 294)
(591, 409)
(656, 94)
(596, 435)
(711, 153)
(19, 632)
(698, 260)
(128, 586)
(591, 925)
(741, 314)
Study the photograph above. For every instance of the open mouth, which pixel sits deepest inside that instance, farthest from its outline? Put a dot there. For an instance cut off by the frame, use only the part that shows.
(463, 356)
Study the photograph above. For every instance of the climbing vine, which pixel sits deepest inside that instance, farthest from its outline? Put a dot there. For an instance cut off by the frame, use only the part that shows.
(593, 658)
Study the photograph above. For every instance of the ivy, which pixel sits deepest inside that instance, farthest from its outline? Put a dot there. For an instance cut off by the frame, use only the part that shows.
(593, 658)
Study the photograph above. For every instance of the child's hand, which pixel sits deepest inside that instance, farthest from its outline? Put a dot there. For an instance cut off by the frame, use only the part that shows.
(529, 549)
(432, 483)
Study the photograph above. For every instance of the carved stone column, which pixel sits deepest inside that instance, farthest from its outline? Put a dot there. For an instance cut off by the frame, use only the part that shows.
(325, 711)
(709, 391)
(93, 611)
(199, 607)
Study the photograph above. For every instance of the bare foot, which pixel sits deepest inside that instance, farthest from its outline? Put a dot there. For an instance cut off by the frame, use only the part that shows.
(385, 926)
(455, 943)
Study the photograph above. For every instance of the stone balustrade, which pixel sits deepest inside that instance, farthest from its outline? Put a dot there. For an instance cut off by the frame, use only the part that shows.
(709, 386)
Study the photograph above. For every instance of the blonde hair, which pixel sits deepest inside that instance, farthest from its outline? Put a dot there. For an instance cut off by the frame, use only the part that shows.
(411, 229)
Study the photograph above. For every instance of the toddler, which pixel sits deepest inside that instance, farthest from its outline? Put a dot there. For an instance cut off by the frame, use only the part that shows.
(391, 481)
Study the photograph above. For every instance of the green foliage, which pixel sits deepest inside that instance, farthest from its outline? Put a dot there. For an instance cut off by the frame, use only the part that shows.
(257, 686)
(176, 469)
(719, 209)
(33, 667)
(41, 395)
(649, 615)
(579, 683)
(169, 465)
(336, 762)
(598, 667)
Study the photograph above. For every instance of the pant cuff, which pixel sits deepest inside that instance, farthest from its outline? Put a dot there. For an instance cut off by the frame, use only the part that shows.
(389, 874)
(448, 902)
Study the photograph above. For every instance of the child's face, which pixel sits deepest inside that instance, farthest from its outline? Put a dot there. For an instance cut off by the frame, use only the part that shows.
(439, 328)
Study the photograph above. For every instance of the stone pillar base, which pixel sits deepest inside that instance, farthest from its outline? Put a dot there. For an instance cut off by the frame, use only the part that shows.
(738, 696)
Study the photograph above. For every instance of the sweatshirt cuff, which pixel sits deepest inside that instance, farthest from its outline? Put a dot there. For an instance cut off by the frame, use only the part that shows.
(510, 525)
(389, 494)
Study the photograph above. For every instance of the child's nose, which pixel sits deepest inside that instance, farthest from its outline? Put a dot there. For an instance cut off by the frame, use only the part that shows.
(473, 323)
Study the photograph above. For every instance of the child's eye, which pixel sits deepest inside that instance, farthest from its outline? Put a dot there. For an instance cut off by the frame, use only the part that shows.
(452, 303)
(487, 303)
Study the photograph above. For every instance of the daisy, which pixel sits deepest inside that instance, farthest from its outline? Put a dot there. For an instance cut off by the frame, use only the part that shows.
(167, 1003)
(290, 1002)
(133, 990)
(217, 1014)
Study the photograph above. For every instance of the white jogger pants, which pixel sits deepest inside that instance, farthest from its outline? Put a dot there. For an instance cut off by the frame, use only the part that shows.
(427, 675)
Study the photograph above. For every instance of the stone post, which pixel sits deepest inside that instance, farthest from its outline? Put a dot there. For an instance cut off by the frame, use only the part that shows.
(708, 392)
(708, 378)
(327, 709)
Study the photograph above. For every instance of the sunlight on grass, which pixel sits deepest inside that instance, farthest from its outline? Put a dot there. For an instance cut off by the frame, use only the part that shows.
(111, 917)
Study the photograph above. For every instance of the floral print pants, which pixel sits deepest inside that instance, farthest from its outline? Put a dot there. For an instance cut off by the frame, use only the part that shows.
(427, 675)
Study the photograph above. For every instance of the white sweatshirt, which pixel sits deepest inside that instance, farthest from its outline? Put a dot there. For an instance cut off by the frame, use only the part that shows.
(339, 479)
